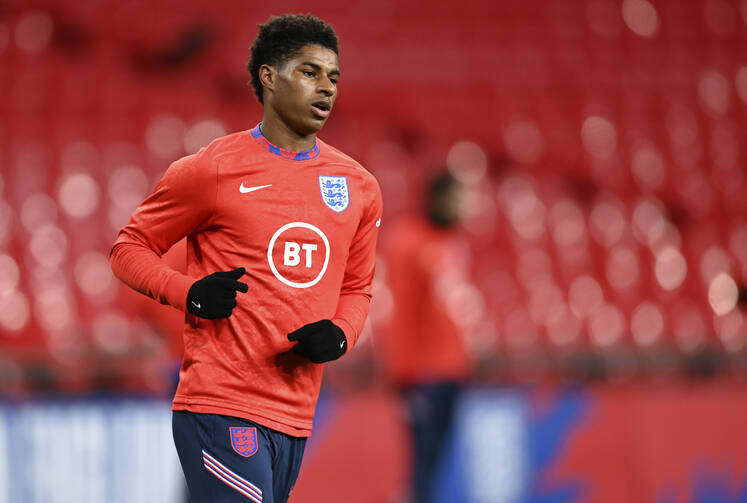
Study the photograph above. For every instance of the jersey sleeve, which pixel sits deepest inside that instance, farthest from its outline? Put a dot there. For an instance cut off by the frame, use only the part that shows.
(182, 203)
(355, 293)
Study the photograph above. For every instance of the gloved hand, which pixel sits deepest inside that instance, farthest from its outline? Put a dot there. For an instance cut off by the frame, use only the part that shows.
(320, 342)
(214, 296)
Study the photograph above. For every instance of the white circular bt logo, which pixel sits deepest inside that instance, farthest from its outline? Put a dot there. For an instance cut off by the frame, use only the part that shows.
(300, 254)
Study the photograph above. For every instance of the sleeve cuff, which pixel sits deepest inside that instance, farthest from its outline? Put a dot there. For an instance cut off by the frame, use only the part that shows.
(176, 289)
(348, 330)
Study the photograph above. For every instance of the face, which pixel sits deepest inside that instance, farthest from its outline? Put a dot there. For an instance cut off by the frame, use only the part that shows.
(302, 91)
(447, 208)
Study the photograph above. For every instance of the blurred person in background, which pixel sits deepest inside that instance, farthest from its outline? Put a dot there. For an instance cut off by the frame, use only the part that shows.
(298, 220)
(423, 347)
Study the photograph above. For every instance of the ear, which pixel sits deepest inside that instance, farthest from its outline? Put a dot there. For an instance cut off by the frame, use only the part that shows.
(267, 77)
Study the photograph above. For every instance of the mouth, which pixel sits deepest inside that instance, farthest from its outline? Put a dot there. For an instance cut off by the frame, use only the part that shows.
(321, 108)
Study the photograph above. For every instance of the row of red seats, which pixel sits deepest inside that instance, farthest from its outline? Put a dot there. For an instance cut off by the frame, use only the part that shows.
(610, 202)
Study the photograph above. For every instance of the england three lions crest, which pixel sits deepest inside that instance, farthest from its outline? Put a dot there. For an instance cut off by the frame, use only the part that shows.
(244, 440)
(334, 192)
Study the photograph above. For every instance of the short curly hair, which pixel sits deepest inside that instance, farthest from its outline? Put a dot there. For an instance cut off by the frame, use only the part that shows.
(282, 37)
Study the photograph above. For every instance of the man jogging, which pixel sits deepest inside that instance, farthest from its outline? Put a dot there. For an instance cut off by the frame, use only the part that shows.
(281, 233)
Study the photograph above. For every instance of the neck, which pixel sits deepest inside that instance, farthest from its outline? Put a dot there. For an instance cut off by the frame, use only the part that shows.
(281, 135)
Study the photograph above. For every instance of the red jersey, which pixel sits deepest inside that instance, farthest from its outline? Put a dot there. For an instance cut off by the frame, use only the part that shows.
(304, 225)
(423, 342)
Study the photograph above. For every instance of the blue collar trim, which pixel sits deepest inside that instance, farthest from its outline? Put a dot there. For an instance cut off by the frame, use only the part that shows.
(288, 154)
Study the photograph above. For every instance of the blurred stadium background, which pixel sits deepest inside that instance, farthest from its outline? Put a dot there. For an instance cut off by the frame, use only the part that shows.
(603, 144)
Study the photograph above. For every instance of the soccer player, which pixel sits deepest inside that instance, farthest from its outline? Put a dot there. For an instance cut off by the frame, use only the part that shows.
(281, 233)
(423, 348)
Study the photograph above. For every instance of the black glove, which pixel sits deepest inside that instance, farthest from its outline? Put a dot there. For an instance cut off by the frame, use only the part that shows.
(320, 342)
(214, 296)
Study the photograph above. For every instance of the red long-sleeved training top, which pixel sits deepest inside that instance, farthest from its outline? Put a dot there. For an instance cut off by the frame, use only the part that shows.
(423, 342)
(304, 225)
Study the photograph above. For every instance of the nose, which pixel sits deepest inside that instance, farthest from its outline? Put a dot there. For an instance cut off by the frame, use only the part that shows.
(327, 87)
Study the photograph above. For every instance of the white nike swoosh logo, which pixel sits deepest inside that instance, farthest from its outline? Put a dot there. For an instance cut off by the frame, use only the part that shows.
(196, 304)
(244, 190)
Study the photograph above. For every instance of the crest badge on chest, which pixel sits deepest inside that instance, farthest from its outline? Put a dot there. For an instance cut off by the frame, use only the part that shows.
(335, 192)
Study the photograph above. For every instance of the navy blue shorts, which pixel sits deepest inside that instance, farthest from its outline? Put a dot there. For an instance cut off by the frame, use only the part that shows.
(227, 459)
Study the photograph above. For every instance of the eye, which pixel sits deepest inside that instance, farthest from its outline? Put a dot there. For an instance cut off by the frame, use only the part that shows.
(309, 73)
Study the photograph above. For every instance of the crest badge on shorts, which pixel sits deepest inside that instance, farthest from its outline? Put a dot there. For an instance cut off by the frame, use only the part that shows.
(334, 191)
(244, 440)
